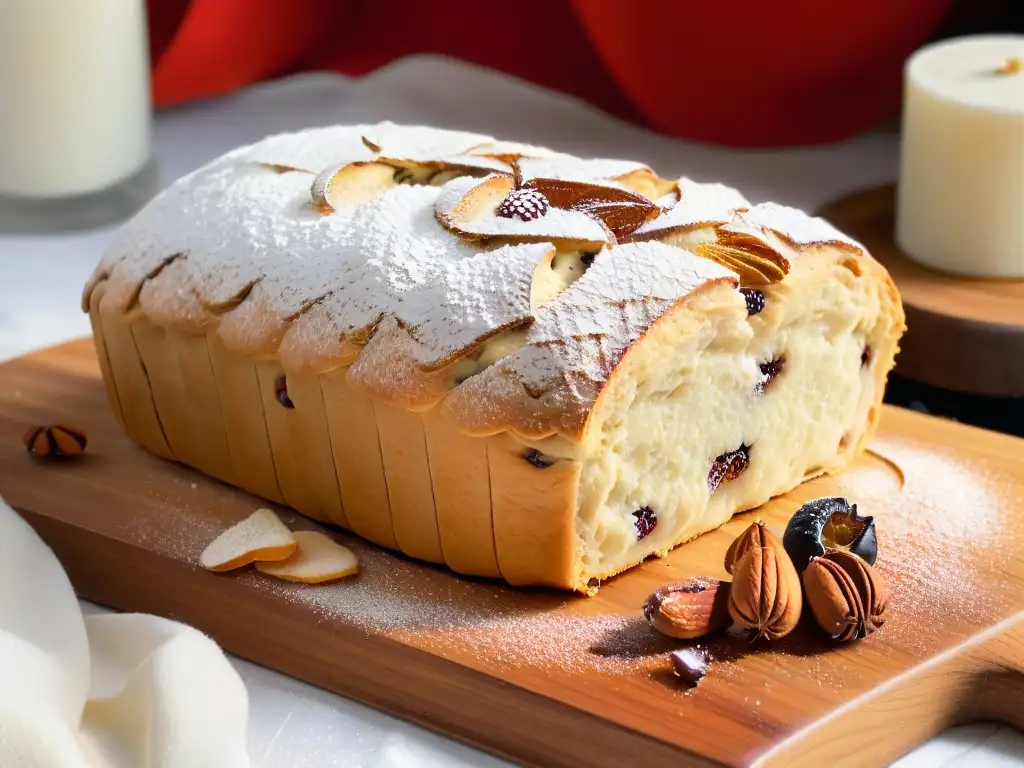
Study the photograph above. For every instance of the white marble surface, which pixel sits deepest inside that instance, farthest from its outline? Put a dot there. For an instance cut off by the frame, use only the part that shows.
(294, 724)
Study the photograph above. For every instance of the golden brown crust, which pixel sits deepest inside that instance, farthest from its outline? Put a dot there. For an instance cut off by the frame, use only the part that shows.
(241, 404)
(462, 496)
(301, 444)
(352, 424)
(403, 447)
(534, 517)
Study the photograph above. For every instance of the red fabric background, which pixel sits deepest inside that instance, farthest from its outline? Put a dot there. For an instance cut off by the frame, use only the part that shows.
(745, 72)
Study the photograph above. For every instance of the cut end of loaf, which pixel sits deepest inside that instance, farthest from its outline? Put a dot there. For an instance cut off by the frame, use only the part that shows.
(717, 411)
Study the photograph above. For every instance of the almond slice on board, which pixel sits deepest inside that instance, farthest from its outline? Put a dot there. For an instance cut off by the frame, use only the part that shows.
(319, 558)
(261, 536)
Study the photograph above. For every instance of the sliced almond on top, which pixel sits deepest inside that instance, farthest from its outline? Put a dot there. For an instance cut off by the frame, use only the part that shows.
(416, 146)
(260, 537)
(318, 559)
(468, 207)
(791, 225)
(350, 184)
(646, 182)
(618, 208)
(697, 205)
(755, 264)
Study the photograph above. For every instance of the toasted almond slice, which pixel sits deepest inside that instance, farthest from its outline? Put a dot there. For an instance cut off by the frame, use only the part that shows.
(261, 536)
(617, 207)
(318, 559)
(349, 184)
(468, 207)
(755, 267)
(794, 227)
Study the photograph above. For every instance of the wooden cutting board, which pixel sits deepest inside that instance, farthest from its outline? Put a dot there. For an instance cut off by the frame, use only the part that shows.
(555, 679)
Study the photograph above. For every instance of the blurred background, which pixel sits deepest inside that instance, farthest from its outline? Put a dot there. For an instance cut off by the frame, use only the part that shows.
(805, 71)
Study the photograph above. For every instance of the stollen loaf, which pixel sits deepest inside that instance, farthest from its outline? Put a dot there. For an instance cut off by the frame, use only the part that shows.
(520, 363)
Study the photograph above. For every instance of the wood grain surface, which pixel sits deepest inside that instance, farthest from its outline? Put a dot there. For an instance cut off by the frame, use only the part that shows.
(963, 334)
(545, 678)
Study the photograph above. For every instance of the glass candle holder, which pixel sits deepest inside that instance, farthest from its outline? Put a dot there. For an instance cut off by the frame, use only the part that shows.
(75, 113)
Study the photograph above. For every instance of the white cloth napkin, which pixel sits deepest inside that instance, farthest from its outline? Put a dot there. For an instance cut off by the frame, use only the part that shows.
(109, 691)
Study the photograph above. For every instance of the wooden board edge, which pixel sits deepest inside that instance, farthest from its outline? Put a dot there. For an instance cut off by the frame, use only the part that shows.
(980, 679)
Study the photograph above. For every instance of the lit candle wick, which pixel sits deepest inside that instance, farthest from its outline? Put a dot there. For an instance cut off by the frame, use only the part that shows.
(1012, 66)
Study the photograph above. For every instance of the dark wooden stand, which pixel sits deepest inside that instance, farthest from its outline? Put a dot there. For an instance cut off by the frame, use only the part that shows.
(965, 335)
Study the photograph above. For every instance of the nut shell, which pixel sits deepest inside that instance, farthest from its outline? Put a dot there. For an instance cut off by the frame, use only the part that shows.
(766, 596)
(757, 535)
(689, 609)
(847, 596)
(56, 441)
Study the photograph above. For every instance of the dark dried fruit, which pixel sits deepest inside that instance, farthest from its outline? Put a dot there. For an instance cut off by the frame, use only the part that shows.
(281, 392)
(754, 299)
(689, 609)
(690, 665)
(865, 356)
(537, 458)
(829, 525)
(523, 204)
(769, 372)
(55, 442)
(645, 522)
(728, 466)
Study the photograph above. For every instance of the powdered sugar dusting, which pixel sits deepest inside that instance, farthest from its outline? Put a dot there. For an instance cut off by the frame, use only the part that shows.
(791, 224)
(583, 333)
(309, 150)
(569, 168)
(435, 610)
(699, 204)
(421, 143)
(932, 532)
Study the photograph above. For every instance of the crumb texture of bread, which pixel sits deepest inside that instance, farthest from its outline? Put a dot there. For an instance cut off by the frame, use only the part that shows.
(516, 362)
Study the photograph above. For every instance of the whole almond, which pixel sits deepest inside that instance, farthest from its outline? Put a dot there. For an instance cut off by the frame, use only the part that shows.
(757, 535)
(689, 609)
(766, 596)
(847, 596)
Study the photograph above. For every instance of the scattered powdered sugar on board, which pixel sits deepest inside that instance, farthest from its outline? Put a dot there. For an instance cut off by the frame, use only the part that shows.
(940, 537)
(433, 609)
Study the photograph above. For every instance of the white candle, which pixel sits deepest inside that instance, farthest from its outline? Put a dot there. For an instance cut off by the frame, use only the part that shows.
(961, 187)
(74, 95)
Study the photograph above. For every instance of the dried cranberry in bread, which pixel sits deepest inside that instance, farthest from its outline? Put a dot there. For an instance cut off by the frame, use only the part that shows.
(517, 362)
